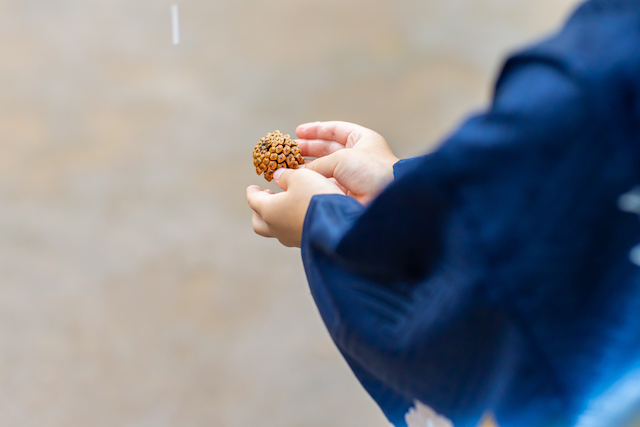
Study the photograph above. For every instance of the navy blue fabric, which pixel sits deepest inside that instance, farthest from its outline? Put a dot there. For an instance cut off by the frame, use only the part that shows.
(494, 273)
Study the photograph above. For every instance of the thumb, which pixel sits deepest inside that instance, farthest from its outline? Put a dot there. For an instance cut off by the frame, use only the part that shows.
(281, 176)
(326, 165)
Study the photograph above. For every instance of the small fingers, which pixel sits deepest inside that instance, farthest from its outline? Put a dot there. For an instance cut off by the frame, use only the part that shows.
(326, 166)
(281, 177)
(318, 147)
(260, 227)
(343, 133)
(256, 197)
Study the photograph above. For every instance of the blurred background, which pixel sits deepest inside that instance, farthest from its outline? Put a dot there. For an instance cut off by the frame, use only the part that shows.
(133, 291)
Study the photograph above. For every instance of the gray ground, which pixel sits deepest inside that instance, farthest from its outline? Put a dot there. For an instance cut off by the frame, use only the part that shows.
(133, 291)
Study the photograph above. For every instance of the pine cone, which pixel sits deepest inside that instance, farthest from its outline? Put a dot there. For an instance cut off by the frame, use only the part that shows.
(276, 151)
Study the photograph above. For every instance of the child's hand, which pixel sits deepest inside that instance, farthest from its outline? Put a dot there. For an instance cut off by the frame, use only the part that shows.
(358, 158)
(282, 215)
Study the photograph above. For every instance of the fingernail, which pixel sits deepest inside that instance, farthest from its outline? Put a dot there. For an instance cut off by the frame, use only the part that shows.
(277, 173)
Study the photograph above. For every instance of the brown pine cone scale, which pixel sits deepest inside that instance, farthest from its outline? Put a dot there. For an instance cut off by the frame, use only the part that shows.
(276, 151)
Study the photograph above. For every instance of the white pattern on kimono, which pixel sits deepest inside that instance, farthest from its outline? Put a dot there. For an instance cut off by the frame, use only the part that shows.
(423, 416)
(630, 202)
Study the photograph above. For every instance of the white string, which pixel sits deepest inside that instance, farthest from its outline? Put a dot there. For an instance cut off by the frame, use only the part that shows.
(176, 24)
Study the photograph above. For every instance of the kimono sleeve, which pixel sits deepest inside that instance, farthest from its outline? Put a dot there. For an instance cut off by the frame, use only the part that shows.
(420, 290)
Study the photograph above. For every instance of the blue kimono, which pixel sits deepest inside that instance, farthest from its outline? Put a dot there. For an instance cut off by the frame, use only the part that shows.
(494, 274)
